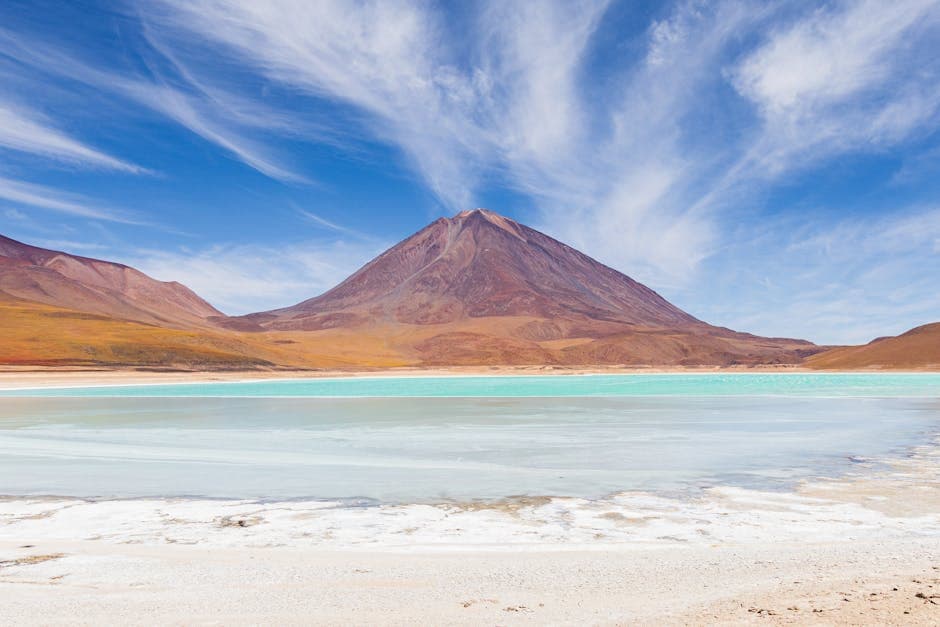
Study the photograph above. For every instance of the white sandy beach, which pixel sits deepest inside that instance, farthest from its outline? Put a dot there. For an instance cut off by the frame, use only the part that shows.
(864, 549)
(102, 583)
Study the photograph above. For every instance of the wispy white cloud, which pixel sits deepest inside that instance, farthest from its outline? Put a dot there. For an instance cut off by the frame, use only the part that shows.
(27, 132)
(214, 115)
(320, 221)
(15, 214)
(831, 81)
(530, 58)
(241, 279)
(513, 106)
(42, 197)
(389, 59)
(194, 114)
(632, 201)
(843, 281)
(833, 53)
(854, 75)
(70, 245)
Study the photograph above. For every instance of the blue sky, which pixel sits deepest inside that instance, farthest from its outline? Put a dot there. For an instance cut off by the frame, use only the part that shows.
(773, 169)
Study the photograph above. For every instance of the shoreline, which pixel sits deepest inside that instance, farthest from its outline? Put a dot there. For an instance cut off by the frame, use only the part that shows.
(876, 496)
(25, 378)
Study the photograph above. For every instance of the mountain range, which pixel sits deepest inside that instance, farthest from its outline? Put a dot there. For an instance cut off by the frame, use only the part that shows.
(474, 289)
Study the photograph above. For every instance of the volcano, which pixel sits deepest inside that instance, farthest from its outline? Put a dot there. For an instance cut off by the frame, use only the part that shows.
(480, 288)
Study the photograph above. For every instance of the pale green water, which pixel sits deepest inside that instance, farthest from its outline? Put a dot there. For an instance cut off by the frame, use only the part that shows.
(812, 385)
(427, 439)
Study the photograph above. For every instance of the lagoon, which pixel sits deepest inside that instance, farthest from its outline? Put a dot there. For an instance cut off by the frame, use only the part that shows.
(430, 440)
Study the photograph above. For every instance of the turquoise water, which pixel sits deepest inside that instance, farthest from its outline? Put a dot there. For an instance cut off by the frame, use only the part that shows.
(427, 440)
(813, 385)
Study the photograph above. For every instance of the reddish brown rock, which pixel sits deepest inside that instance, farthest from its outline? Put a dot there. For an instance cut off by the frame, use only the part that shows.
(100, 287)
(479, 264)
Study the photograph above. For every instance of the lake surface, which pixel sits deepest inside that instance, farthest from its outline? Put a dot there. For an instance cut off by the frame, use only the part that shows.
(673, 385)
(402, 440)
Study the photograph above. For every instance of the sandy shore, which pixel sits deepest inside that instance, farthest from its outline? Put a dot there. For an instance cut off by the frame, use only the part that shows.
(16, 377)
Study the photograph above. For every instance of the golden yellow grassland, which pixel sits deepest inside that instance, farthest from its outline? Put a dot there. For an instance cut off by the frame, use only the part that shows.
(32, 333)
(43, 335)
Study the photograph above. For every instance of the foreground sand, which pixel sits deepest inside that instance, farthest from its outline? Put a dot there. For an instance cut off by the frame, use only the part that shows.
(93, 583)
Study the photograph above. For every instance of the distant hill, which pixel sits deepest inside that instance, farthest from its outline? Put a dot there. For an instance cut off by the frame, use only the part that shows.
(58, 309)
(917, 349)
(90, 285)
(480, 288)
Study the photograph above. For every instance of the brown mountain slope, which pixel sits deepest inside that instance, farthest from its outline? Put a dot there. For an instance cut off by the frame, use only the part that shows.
(476, 265)
(480, 288)
(917, 349)
(99, 287)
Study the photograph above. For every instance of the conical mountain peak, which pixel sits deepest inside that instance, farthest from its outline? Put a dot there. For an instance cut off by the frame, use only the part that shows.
(481, 264)
(467, 218)
(469, 212)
